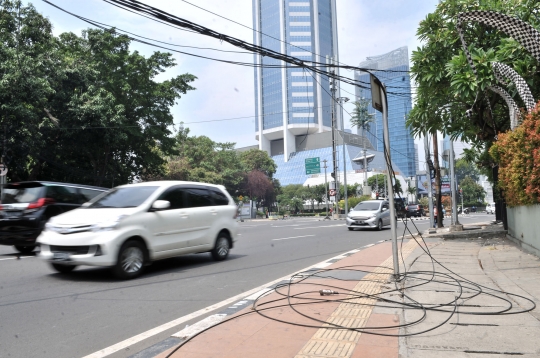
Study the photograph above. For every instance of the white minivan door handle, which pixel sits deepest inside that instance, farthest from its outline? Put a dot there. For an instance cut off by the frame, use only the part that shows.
(213, 211)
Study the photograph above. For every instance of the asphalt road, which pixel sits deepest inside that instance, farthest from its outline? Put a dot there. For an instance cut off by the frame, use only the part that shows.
(47, 314)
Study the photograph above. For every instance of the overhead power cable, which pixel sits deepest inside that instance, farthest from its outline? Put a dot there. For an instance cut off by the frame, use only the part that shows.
(153, 12)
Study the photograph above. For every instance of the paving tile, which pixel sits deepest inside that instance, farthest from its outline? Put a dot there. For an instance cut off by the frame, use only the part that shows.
(367, 351)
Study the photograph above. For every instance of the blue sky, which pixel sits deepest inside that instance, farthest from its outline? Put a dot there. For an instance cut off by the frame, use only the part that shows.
(366, 28)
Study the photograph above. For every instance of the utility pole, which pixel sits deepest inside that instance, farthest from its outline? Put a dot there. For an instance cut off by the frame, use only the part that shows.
(326, 186)
(378, 96)
(344, 158)
(334, 151)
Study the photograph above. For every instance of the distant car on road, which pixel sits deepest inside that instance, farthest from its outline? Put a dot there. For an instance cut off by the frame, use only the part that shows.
(27, 206)
(369, 214)
(490, 208)
(415, 210)
(132, 225)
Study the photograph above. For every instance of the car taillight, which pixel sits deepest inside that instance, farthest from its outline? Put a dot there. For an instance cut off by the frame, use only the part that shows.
(40, 203)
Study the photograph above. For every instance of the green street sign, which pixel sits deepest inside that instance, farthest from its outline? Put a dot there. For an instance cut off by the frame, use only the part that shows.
(313, 165)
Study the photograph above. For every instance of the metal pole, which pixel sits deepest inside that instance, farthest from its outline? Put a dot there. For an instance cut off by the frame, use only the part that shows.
(326, 186)
(344, 165)
(393, 221)
(455, 220)
(430, 189)
(336, 186)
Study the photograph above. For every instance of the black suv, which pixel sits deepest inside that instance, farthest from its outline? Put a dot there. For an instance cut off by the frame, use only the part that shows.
(27, 206)
(415, 210)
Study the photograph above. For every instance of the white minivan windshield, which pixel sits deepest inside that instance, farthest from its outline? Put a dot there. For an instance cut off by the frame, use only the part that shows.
(128, 197)
(367, 205)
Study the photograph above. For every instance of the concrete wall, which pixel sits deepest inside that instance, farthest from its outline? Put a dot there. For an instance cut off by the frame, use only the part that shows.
(522, 227)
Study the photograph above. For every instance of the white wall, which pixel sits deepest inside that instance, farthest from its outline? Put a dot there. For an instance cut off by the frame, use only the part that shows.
(522, 221)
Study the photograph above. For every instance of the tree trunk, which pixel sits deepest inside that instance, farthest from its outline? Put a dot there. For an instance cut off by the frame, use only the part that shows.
(438, 194)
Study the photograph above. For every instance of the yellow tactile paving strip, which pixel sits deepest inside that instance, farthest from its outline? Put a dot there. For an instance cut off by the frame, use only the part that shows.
(329, 343)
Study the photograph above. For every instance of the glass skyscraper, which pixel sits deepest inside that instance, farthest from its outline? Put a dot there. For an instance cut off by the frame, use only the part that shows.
(393, 70)
(292, 102)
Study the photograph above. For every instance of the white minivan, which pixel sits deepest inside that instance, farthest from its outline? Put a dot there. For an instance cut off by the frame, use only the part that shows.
(490, 208)
(132, 225)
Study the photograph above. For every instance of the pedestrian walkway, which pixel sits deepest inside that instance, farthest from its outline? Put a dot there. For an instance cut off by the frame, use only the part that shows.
(457, 298)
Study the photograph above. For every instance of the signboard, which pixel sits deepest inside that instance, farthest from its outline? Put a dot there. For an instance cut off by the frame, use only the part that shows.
(4, 169)
(313, 166)
(332, 192)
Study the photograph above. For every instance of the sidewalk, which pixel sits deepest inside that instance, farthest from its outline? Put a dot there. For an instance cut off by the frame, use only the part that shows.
(376, 320)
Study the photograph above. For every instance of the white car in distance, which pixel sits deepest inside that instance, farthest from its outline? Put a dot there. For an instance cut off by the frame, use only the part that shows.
(132, 225)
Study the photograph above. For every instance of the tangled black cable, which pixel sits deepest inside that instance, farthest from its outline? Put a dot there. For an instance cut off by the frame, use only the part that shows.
(451, 307)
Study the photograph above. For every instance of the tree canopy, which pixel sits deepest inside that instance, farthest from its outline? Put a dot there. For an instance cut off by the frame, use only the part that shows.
(445, 79)
(82, 109)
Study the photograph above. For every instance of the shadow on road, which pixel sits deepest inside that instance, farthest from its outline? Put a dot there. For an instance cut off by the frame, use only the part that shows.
(156, 269)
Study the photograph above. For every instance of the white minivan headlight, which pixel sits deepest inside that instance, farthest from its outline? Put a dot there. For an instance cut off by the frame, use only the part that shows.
(107, 225)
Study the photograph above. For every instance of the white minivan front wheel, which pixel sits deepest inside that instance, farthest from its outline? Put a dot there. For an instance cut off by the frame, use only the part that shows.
(221, 250)
(130, 261)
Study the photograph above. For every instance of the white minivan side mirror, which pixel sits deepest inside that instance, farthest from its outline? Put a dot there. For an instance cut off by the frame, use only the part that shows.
(160, 205)
(85, 205)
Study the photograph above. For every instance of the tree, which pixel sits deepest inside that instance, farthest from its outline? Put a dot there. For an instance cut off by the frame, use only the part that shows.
(99, 103)
(201, 159)
(465, 168)
(377, 183)
(258, 186)
(255, 159)
(445, 79)
(360, 116)
(473, 193)
(379, 180)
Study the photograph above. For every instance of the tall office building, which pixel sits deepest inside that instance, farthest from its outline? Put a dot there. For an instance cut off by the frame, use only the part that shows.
(291, 103)
(393, 70)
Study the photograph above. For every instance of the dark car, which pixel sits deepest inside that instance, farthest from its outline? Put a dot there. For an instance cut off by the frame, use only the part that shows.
(415, 210)
(27, 206)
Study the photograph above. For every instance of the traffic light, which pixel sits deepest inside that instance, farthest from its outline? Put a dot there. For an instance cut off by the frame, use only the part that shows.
(333, 175)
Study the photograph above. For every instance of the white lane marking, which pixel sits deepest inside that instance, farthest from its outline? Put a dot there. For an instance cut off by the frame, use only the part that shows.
(15, 258)
(354, 251)
(293, 237)
(199, 326)
(286, 225)
(251, 294)
(369, 245)
(316, 227)
(323, 264)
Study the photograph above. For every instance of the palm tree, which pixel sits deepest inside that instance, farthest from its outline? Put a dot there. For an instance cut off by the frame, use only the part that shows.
(361, 118)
